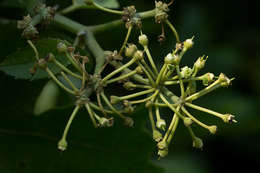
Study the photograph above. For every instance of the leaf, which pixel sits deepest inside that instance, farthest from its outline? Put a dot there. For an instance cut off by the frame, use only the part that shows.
(19, 63)
(108, 3)
(26, 4)
(47, 98)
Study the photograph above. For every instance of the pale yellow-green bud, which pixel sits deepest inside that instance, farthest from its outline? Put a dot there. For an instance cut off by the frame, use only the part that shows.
(157, 136)
(187, 121)
(143, 40)
(169, 59)
(139, 55)
(161, 124)
(130, 50)
(228, 118)
(197, 143)
(213, 129)
(114, 99)
(62, 144)
(187, 44)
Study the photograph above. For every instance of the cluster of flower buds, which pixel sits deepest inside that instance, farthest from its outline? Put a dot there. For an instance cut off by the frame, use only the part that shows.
(130, 18)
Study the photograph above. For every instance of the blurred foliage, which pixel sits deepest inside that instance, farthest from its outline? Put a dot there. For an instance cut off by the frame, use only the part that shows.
(226, 31)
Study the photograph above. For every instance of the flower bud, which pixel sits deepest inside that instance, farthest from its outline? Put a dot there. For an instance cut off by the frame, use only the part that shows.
(148, 104)
(197, 143)
(42, 63)
(187, 44)
(62, 144)
(228, 118)
(163, 153)
(129, 122)
(187, 121)
(207, 78)
(162, 145)
(213, 129)
(21, 24)
(114, 99)
(50, 57)
(157, 136)
(104, 122)
(161, 124)
(61, 47)
(129, 86)
(225, 81)
(186, 72)
(143, 40)
(130, 50)
(138, 55)
(169, 59)
(200, 63)
(30, 32)
(139, 70)
(191, 88)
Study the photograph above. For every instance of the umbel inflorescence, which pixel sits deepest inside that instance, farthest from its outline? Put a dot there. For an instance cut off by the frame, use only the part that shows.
(140, 72)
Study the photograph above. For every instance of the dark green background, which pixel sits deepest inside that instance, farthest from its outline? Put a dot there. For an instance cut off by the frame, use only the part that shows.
(227, 31)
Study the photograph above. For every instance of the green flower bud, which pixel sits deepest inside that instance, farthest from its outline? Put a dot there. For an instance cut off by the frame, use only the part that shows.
(200, 63)
(161, 124)
(171, 67)
(129, 122)
(61, 47)
(148, 104)
(225, 81)
(169, 59)
(186, 72)
(187, 44)
(162, 145)
(187, 121)
(114, 99)
(163, 153)
(42, 63)
(62, 144)
(129, 86)
(197, 143)
(130, 50)
(50, 57)
(104, 122)
(30, 32)
(139, 70)
(213, 129)
(207, 78)
(139, 55)
(157, 136)
(143, 40)
(21, 24)
(228, 118)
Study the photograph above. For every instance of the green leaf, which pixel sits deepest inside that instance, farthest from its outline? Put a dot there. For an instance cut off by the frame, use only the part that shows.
(19, 63)
(108, 3)
(26, 4)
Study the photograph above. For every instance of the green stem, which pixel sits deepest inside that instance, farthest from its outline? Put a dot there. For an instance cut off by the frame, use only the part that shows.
(150, 59)
(121, 77)
(219, 115)
(173, 30)
(91, 115)
(151, 118)
(107, 10)
(126, 39)
(145, 99)
(34, 49)
(160, 76)
(137, 94)
(72, 60)
(58, 82)
(69, 82)
(181, 82)
(206, 90)
(194, 119)
(104, 97)
(118, 70)
(66, 69)
(148, 68)
(147, 74)
(74, 113)
(175, 125)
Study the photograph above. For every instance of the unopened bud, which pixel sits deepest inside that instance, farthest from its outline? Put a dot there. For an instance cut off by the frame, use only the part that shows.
(114, 99)
(200, 63)
(186, 72)
(161, 124)
(157, 136)
(130, 50)
(162, 145)
(213, 129)
(61, 47)
(197, 143)
(143, 40)
(139, 70)
(129, 122)
(187, 44)
(187, 121)
(207, 78)
(129, 85)
(163, 153)
(42, 63)
(62, 144)
(139, 55)
(169, 59)
(225, 81)
(228, 118)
